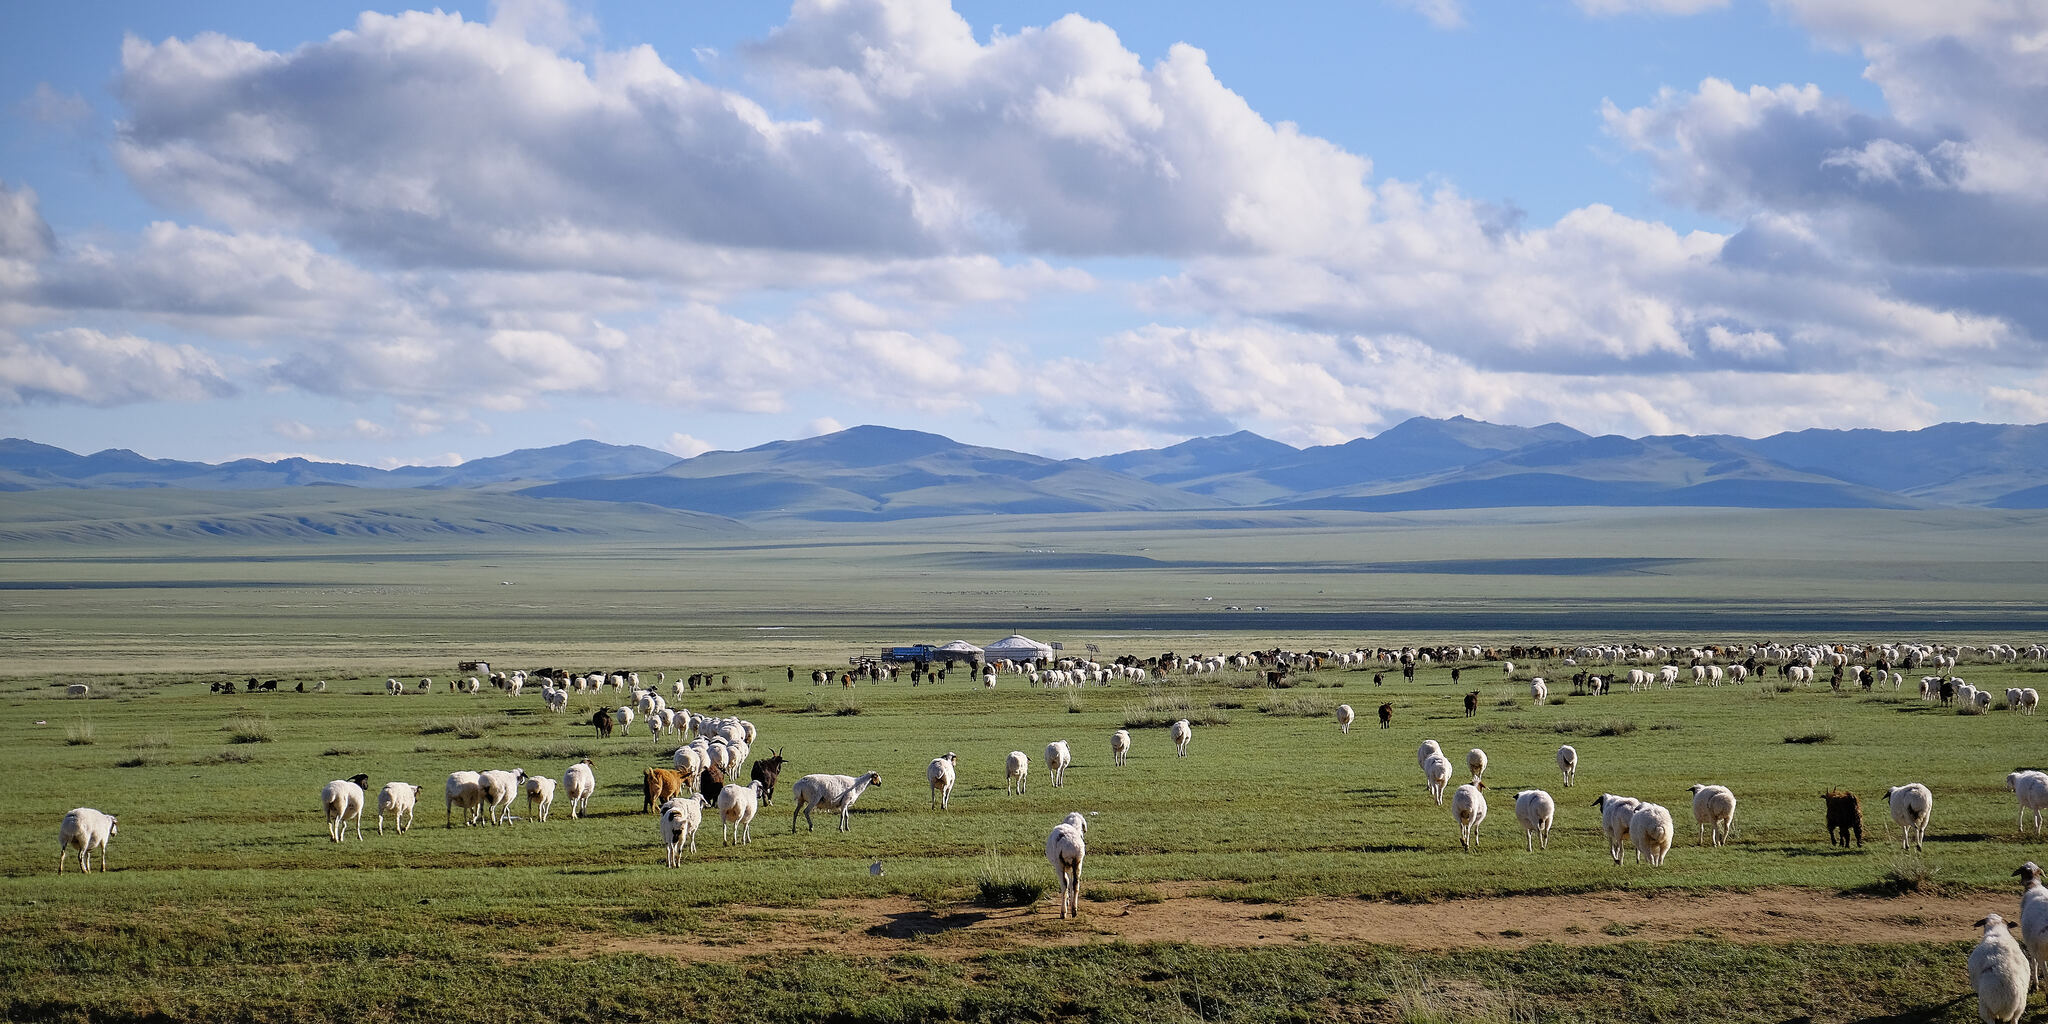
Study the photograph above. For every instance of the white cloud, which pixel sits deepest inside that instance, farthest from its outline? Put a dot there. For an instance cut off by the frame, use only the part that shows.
(81, 365)
(684, 446)
(49, 106)
(821, 426)
(1445, 14)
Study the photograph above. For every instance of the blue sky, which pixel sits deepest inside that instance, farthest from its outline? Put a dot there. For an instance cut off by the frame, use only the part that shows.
(232, 229)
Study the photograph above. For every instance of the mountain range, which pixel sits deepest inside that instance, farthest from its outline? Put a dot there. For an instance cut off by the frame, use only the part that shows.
(873, 473)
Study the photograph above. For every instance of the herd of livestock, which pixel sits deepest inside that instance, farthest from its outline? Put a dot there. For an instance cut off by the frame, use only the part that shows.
(714, 751)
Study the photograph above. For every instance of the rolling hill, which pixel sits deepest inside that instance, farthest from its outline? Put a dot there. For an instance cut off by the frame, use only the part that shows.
(879, 474)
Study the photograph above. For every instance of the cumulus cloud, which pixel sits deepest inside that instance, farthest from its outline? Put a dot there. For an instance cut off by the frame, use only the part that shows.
(684, 446)
(1605, 8)
(81, 365)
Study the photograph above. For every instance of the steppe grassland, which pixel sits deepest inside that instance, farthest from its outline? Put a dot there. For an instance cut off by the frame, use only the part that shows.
(227, 901)
(789, 592)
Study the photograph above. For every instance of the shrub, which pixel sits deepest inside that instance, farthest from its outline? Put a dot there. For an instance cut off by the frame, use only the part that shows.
(468, 727)
(226, 757)
(78, 734)
(248, 730)
(1823, 734)
(1002, 883)
(159, 740)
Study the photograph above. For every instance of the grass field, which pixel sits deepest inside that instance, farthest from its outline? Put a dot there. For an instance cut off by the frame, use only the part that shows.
(1226, 886)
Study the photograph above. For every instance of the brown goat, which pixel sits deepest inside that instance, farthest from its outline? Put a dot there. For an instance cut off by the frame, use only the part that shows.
(659, 784)
(603, 721)
(1471, 703)
(1386, 716)
(1845, 814)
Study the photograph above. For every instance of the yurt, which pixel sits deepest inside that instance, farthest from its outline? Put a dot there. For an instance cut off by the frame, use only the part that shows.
(1018, 648)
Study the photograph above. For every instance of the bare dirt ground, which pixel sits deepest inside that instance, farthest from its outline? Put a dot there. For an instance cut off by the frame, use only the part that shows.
(883, 927)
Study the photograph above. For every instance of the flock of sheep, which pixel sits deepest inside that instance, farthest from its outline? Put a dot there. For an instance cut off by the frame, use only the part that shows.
(707, 767)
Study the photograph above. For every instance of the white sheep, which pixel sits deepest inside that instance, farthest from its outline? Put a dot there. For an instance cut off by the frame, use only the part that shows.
(499, 789)
(1120, 747)
(1422, 753)
(1436, 771)
(1345, 716)
(465, 790)
(393, 687)
(737, 806)
(1912, 807)
(1535, 810)
(84, 828)
(1182, 733)
(1066, 849)
(1713, 807)
(1468, 805)
(941, 776)
(681, 817)
(343, 801)
(1651, 830)
(540, 796)
(1999, 973)
(1475, 759)
(397, 799)
(2033, 917)
(1057, 758)
(1568, 763)
(579, 783)
(830, 793)
(1015, 769)
(1539, 690)
(2031, 789)
(1616, 813)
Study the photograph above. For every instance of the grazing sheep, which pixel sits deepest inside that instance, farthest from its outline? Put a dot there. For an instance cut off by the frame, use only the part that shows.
(397, 799)
(343, 800)
(1568, 763)
(76, 690)
(1912, 806)
(1650, 828)
(941, 775)
(2031, 789)
(1182, 733)
(1066, 849)
(1999, 973)
(830, 793)
(540, 796)
(657, 786)
(1119, 747)
(681, 817)
(1535, 810)
(2033, 917)
(737, 806)
(465, 790)
(1436, 771)
(1015, 768)
(1057, 758)
(85, 828)
(1616, 814)
(1845, 815)
(1539, 691)
(1475, 759)
(499, 789)
(393, 687)
(1386, 716)
(579, 782)
(1344, 717)
(1713, 807)
(1468, 805)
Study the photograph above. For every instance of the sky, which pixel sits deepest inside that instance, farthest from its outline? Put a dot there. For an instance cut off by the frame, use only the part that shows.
(389, 236)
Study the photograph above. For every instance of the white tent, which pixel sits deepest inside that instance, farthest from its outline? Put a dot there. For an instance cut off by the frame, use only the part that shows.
(1016, 647)
(960, 649)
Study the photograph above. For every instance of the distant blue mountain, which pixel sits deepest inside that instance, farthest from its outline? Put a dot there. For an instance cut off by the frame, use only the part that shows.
(874, 473)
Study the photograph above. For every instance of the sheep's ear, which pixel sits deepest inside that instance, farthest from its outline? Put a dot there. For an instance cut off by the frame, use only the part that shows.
(1981, 922)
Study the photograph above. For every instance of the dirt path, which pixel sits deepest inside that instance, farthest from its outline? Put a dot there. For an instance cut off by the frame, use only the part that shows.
(881, 927)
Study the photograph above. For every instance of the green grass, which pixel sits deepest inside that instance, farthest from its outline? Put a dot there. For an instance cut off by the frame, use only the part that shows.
(227, 902)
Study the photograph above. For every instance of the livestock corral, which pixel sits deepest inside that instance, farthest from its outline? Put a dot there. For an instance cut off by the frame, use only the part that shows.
(1244, 853)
